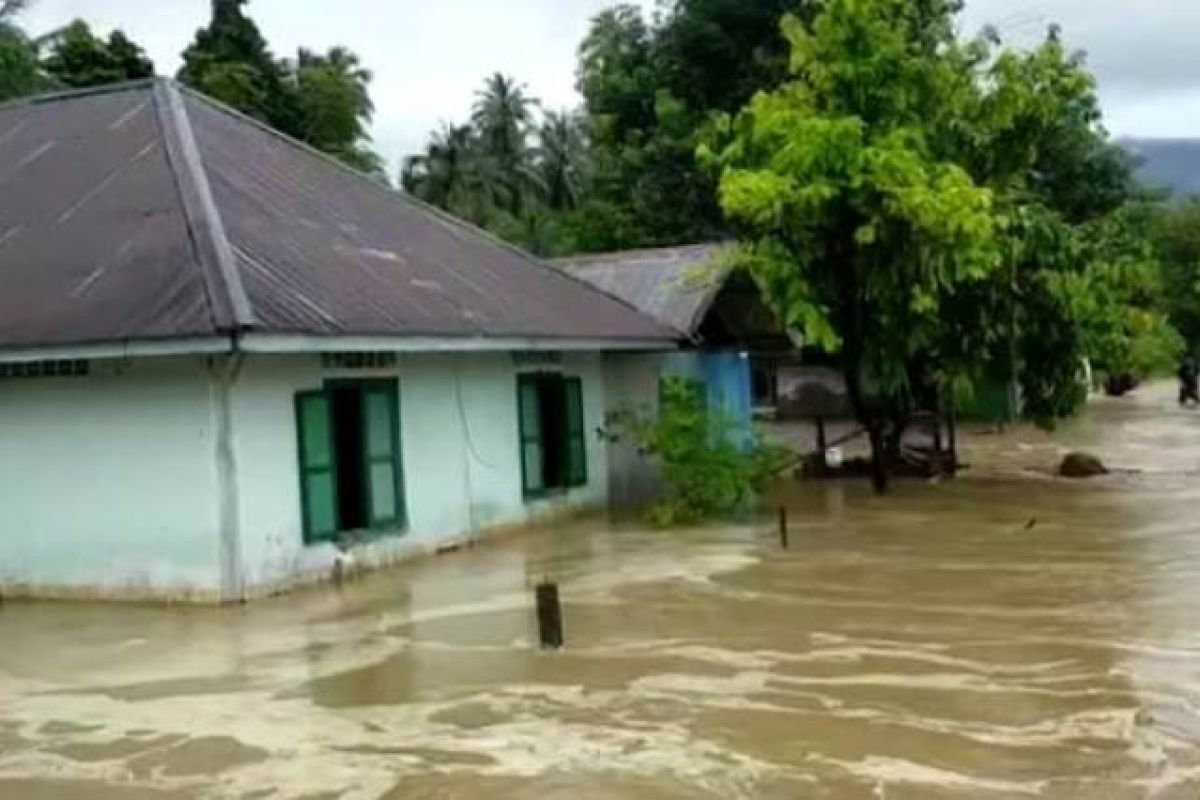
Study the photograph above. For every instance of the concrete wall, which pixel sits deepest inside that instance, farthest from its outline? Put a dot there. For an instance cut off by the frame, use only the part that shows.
(111, 484)
(460, 449)
(631, 387)
(108, 482)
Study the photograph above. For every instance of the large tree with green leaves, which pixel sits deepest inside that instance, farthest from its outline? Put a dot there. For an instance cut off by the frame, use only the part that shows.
(231, 61)
(321, 99)
(649, 88)
(930, 209)
(76, 57)
(859, 229)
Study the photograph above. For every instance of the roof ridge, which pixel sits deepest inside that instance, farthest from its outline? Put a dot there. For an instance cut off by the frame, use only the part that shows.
(229, 303)
(417, 203)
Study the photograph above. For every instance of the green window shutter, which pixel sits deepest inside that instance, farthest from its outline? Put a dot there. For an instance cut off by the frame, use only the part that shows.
(318, 483)
(576, 437)
(529, 412)
(383, 468)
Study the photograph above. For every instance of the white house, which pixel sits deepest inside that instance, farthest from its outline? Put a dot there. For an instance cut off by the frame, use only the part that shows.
(225, 360)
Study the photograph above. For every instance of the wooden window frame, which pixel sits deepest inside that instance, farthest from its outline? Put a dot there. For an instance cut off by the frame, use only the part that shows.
(571, 437)
(377, 526)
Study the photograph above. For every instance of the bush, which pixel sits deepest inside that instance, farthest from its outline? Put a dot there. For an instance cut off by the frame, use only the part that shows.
(707, 472)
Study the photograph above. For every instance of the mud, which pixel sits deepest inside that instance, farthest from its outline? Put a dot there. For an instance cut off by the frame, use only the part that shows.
(1004, 635)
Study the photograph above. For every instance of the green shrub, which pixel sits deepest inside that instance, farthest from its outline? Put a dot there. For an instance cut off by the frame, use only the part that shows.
(707, 473)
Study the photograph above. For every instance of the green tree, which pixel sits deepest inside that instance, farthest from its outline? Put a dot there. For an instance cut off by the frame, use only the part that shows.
(503, 118)
(560, 159)
(334, 106)
(1177, 237)
(859, 231)
(1124, 327)
(323, 100)
(231, 62)
(77, 58)
(649, 91)
(20, 73)
(450, 174)
(937, 210)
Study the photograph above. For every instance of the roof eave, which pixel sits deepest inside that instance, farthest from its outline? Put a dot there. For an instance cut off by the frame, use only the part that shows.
(305, 343)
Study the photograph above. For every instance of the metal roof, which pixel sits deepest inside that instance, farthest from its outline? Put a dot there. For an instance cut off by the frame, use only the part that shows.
(675, 285)
(145, 212)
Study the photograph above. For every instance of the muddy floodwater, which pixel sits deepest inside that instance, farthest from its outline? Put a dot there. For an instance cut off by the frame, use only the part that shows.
(1004, 635)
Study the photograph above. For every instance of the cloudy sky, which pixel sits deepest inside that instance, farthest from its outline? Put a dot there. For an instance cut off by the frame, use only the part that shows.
(429, 56)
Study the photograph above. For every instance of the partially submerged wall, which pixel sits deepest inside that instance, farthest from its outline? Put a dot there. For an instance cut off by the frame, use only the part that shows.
(461, 458)
(108, 484)
(116, 485)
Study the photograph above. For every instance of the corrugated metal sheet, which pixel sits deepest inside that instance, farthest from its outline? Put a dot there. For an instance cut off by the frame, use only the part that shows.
(324, 251)
(675, 285)
(94, 245)
(146, 211)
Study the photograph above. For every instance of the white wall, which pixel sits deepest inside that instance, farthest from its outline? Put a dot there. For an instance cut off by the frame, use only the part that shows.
(107, 482)
(460, 449)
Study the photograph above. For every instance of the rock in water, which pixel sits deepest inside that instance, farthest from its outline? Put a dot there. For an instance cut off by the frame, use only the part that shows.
(1082, 465)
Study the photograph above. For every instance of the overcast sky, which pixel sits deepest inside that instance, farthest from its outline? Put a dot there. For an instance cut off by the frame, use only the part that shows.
(429, 56)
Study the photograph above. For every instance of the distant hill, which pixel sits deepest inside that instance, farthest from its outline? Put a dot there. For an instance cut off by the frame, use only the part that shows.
(1172, 164)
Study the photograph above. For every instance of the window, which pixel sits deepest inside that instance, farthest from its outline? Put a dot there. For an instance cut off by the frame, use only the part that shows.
(553, 443)
(351, 476)
(46, 369)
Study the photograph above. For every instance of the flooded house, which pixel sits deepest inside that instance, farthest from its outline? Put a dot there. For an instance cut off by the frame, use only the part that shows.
(229, 364)
(731, 345)
(730, 341)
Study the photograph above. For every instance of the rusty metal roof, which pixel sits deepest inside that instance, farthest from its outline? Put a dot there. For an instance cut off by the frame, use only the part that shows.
(675, 285)
(145, 211)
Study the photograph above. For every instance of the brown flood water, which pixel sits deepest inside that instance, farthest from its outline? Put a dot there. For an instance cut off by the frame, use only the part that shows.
(1006, 635)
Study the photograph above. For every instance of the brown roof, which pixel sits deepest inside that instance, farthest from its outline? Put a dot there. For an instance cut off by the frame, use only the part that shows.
(145, 211)
(675, 285)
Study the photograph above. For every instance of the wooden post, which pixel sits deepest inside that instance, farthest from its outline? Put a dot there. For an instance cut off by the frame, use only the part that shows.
(952, 419)
(783, 528)
(549, 612)
(822, 464)
(937, 427)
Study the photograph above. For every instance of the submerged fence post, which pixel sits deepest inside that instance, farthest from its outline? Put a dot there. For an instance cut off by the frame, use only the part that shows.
(953, 431)
(549, 612)
(783, 527)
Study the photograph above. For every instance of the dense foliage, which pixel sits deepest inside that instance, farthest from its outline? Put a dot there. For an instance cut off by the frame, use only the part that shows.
(1175, 232)
(514, 168)
(621, 173)
(77, 58)
(321, 99)
(70, 58)
(708, 472)
(20, 72)
(929, 209)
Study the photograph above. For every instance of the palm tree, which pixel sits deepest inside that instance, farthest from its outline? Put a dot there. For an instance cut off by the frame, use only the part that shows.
(503, 118)
(560, 159)
(347, 66)
(452, 174)
(503, 115)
